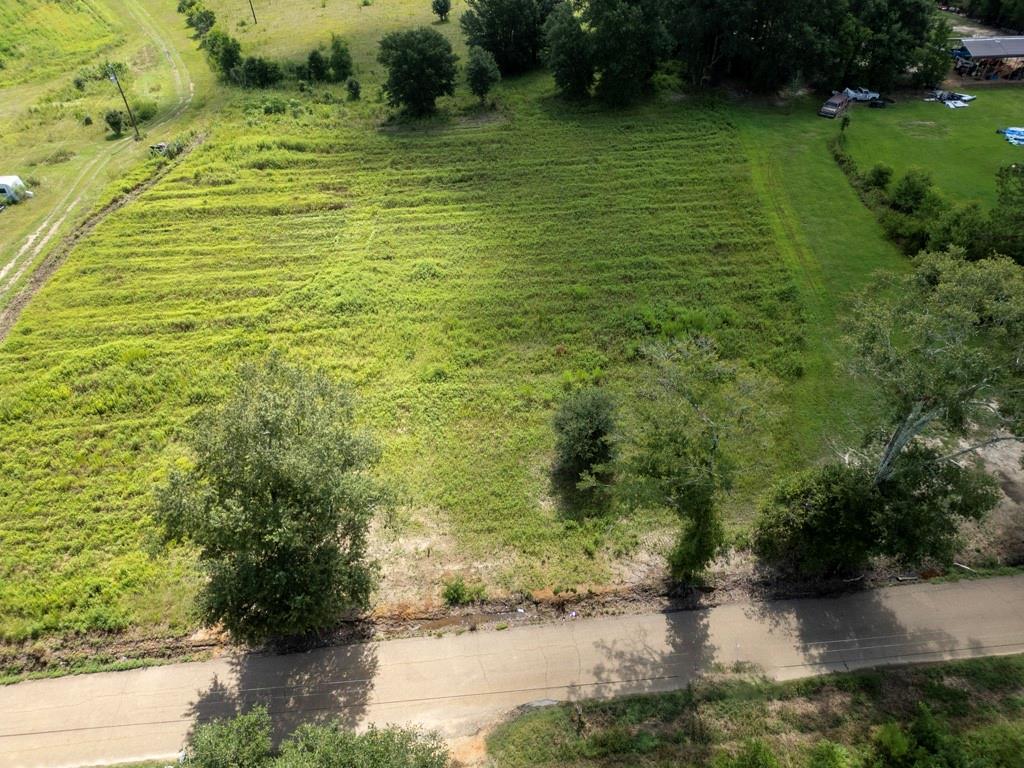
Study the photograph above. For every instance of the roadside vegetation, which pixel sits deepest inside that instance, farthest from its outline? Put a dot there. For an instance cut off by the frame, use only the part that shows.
(959, 714)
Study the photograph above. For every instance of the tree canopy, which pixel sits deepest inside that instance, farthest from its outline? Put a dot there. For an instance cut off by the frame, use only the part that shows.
(512, 30)
(421, 68)
(276, 496)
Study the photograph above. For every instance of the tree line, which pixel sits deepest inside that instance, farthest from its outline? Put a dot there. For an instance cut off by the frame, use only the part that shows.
(613, 47)
(1002, 13)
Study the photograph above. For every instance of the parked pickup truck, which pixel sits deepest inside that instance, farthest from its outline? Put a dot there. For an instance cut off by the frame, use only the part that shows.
(835, 106)
(860, 94)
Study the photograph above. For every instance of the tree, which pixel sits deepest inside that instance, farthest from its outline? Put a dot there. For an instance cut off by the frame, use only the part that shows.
(257, 72)
(224, 51)
(629, 38)
(115, 121)
(1007, 218)
(200, 19)
(441, 8)
(481, 72)
(277, 500)
(832, 519)
(340, 60)
(512, 30)
(943, 345)
(584, 424)
(675, 456)
(316, 66)
(570, 52)
(421, 68)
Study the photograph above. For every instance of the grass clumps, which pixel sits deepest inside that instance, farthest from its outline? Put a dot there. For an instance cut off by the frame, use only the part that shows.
(457, 592)
(966, 713)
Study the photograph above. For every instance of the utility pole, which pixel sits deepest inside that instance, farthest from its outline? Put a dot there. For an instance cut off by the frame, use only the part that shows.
(115, 81)
(251, 8)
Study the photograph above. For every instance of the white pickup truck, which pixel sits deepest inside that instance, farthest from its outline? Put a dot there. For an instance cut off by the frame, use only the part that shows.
(860, 94)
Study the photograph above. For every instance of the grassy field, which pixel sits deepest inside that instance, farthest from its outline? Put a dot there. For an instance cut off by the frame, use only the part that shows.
(457, 273)
(980, 702)
(45, 39)
(959, 147)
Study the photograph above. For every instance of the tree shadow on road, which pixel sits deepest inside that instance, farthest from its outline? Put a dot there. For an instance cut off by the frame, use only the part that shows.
(331, 683)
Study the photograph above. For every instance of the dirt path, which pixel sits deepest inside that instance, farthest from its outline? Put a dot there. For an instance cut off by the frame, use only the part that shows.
(27, 256)
(459, 683)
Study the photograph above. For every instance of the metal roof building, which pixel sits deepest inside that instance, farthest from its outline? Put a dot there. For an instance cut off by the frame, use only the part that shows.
(993, 47)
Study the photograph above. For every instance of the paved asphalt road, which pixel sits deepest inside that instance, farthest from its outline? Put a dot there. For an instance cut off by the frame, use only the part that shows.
(457, 683)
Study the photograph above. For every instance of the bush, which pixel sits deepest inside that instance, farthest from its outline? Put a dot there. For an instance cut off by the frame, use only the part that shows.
(457, 592)
(512, 30)
(353, 88)
(583, 427)
(144, 110)
(332, 746)
(115, 121)
(754, 754)
(257, 72)
(481, 72)
(828, 754)
(570, 54)
(817, 522)
(964, 226)
(316, 66)
(908, 231)
(277, 499)
(200, 19)
(421, 68)
(241, 741)
(340, 60)
(911, 191)
(879, 176)
(224, 51)
(441, 8)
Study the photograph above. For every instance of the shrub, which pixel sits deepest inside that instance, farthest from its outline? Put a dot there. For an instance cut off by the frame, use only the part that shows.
(908, 231)
(817, 522)
(115, 121)
(340, 60)
(316, 66)
(421, 68)
(965, 227)
(144, 110)
(224, 51)
(828, 754)
(457, 592)
(481, 72)
(754, 754)
(353, 88)
(441, 8)
(87, 120)
(257, 72)
(512, 30)
(200, 19)
(332, 746)
(911, 191)
(570, 54)
(878, 176)
(241, 741)
(277, 500)
(583, 427)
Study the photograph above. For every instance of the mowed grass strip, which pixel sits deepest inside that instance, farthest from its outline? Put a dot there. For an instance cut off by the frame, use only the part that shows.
(457, 277)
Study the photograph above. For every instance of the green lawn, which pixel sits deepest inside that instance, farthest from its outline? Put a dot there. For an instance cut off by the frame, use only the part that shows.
(978, 702)
(959, 147)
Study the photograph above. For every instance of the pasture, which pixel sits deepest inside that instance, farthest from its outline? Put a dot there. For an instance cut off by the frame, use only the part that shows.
(460, 273)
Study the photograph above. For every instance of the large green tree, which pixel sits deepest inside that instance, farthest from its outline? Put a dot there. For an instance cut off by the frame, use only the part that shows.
(421, 68)
(512, 30)
(276, 496)
(570, 51)
(945, 347)
(629, 37)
